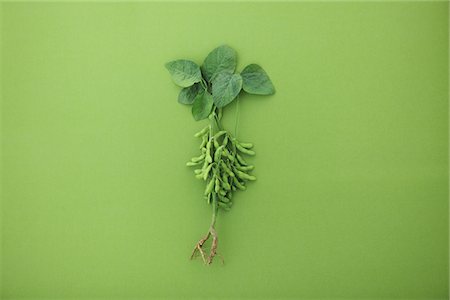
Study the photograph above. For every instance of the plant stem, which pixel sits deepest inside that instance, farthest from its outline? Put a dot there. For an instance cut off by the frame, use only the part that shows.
(212, 231)
(236, 120)
(215, 122)
(215, 209)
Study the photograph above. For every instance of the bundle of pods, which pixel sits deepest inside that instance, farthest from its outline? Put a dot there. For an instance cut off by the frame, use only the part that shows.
(221, 165)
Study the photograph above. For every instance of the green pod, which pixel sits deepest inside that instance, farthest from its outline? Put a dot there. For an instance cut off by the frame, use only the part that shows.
(223, 199)
(218, 153)
(227, 169)
(199, 176)
(208, 146)
(198, 159)
(202, 132)
(225, 177)
(225, 140)
(229, 195)
(233, 188)
(220, 133)
(251, 177)
(216, 143)
(244, 168)
(204, 141)
(238, 184)
(233, 143)
(217, 186)
(198, 171)
(208, 198)
(222, 192)
(224, 206)
(191, 164)
(227, 154)
(245, 176)
(209, 186)
(208, 151)
(244, 150)
(241, 160)
(206, 172)
(226, 185)
(246, 145)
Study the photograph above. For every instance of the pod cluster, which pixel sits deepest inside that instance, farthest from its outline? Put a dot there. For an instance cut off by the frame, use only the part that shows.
(221, 165)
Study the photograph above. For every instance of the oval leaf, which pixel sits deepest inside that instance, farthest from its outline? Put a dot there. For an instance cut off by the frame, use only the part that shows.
(221, 59)
(187, 95)
(202, 107)
(256, 81)
(184, 72)
(225, 88)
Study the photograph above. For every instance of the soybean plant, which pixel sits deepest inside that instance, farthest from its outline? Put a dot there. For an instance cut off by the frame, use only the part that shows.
(221, 163)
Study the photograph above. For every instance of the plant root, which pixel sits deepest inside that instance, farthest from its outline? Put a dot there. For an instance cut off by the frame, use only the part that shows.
(207, 260)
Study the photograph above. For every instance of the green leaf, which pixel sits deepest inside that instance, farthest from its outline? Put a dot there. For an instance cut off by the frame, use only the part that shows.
(256, 81)
(221, 59)
(202, 107)
(184, 72)
(225, 88)
(187, 95)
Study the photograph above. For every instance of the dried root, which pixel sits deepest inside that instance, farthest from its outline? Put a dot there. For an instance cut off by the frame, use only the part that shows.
(199, 247)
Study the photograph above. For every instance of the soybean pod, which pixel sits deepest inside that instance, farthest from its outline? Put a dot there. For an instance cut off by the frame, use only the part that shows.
(220, 133)
(241, 160)
(198, 159)
(209, 186)
(225, 140)
(245, 168)
(217, 185)
(227, 154)
(192, 164)
(216, 143)
(224, 199)
(238, 184)
(245, 176)
(218, 153)
(206, 173)
(244, 150)
(204, 141)
(208, 152)
(202, 132)
(224, 206)
(227, 169)
(246, 145)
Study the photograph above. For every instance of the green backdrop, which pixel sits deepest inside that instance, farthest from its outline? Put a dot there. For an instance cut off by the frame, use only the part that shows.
(352, 151)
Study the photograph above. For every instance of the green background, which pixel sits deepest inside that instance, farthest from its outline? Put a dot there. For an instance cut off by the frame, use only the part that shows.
(352, 165)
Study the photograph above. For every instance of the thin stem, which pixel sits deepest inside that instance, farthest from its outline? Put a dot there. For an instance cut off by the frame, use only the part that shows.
(204, 85)
(237, 118)
(219, 126)
(214, 120)
(215, 209)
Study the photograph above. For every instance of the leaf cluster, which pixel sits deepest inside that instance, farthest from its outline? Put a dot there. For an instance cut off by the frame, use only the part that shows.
(216, 82)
